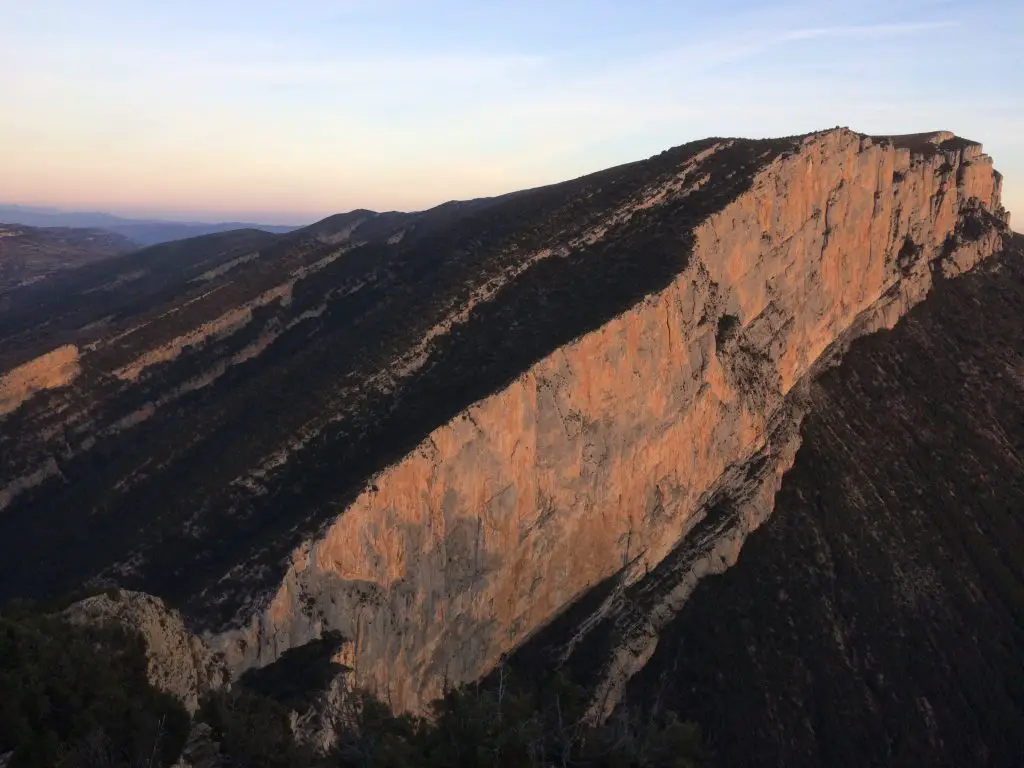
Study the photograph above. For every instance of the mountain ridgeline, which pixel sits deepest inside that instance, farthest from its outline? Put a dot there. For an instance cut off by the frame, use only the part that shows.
(143, 232)
(525, 428)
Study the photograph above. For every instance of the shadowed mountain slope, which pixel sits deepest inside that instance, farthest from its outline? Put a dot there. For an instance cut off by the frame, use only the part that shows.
(30, 254)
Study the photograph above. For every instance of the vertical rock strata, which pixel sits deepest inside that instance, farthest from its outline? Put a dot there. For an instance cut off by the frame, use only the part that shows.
(604, 461)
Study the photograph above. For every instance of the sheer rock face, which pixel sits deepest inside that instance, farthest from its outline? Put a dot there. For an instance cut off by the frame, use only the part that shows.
(599, 458)
(434, 432)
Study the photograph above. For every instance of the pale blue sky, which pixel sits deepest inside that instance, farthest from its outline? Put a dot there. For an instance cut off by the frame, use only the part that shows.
(288, 111)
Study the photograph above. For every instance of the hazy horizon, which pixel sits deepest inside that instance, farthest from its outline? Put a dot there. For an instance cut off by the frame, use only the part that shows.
(146, 214)
(273, 114)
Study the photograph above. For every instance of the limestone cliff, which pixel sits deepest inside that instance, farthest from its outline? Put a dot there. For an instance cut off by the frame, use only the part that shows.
(434, 432)
(596, 461)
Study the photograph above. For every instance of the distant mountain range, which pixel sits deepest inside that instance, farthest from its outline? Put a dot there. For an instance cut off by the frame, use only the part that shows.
(141, 231)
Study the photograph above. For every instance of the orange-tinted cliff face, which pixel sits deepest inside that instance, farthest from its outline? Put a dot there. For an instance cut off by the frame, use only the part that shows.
(433, 432)
(601, 458)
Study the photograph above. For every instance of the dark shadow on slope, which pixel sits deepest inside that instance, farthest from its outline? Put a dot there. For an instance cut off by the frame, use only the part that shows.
(300, 674)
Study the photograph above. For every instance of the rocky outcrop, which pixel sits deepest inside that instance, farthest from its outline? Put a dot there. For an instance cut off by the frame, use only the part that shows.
(201, 750)
(179, 662)
(434, 443)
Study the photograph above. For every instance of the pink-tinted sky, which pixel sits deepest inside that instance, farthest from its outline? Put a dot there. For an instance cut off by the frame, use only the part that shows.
(285, 112)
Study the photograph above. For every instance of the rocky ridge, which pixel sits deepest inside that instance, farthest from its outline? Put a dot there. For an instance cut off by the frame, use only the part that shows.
(612, 454)
(584, 395)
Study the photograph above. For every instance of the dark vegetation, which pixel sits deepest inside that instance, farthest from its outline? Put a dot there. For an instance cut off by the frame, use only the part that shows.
(908, 254)
(254, 731)
(299, 675)
(922, 144)
(504, 726)
(877, 618)
(974, 223)
(374, 303)
(728, 325)
(78, 697)
(512, 725)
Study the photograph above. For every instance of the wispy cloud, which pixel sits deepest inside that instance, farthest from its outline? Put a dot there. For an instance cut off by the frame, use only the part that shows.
(873, 31)
(735, 47)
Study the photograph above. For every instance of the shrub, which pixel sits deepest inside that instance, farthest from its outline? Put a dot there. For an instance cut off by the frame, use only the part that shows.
(728, 327)
(79, 696)
(253, 730)
(510, 725)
